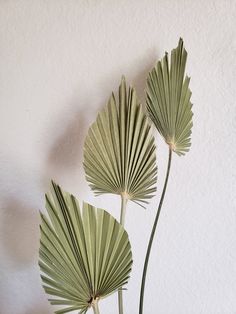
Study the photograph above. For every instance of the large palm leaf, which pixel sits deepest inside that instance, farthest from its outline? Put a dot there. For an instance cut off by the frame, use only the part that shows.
(119, 150)
(168, 100)
(85, 253)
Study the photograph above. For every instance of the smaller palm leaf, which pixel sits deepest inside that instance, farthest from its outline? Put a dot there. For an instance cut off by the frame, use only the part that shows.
(168, 100)
(85, 254)
(119, 150)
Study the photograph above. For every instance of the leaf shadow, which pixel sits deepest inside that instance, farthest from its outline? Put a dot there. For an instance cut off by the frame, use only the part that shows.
(144, 65)
(18, 222)
(136, 74)
(39, 310)
(65, 155)
(19, 240)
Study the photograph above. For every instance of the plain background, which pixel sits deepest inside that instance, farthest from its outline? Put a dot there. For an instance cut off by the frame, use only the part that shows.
(59, 62)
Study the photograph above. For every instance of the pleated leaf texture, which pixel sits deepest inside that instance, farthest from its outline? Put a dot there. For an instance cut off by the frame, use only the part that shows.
(168, 100)
(119, 150)
(85, 254)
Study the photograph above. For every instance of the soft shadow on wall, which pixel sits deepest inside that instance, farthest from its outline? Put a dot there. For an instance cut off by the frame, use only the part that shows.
(144, 65)
(20, 243)
(135, 73)
(39, 310)
(18, 222)
(66, 152)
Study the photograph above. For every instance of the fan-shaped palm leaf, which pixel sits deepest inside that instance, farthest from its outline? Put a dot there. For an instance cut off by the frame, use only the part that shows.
(85, 254)
(119, 150)
(168, 100)
(169, 106)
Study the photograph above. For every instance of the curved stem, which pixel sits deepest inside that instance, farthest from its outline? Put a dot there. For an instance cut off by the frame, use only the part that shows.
(95, 307)
(153, 233)
(122, 222)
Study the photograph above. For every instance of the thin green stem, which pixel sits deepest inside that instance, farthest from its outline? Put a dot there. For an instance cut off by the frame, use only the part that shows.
(95, 307)
(122, 222)
(152, 235)
(120, 301)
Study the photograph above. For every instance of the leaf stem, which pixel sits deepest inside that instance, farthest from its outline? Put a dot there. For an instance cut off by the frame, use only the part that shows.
(120, 301)
(124, 201)
(95, 307)
(153, 234)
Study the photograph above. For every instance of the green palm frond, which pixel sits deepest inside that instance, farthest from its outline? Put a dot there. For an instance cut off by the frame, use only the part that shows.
(168, 100)
(119, 150)
(85, 253)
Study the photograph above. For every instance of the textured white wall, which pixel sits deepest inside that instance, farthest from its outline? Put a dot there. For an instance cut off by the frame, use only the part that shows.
(59, 61)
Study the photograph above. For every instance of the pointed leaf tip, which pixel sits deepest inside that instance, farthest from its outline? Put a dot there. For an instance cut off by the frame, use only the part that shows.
(168, 100)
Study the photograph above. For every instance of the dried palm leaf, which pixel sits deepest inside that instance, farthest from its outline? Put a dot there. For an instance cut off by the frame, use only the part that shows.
(168, 100)
(119, 150)
(85, 253)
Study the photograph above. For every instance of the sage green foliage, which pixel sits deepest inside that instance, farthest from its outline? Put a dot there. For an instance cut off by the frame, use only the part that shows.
(169, 106)
(85, 253)
(119, 150)
(168, 100)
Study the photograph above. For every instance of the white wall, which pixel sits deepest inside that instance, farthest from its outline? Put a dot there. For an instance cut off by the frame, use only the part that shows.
(59, 61)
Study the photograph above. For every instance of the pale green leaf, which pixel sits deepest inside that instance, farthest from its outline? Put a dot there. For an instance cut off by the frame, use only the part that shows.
(168, 100)
(85, 254)
(119, 150)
